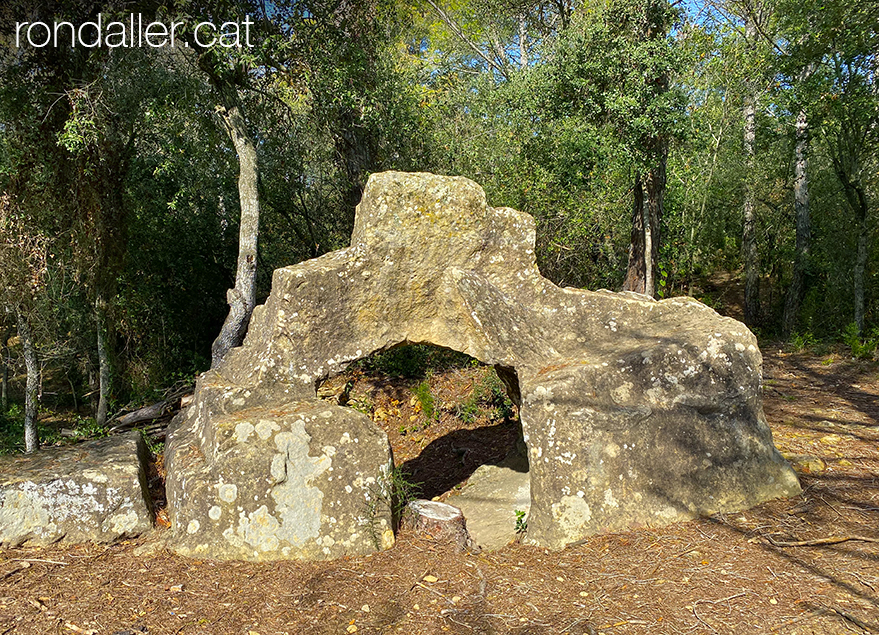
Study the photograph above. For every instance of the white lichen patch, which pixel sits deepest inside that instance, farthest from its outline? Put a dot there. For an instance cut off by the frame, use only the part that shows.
(89, 490)
(572, 514)
(714, 349)
(123, 522)
(265, 428)
(215, 512)
(95, 476)
(243, 431)
(669, 514)
(609, 500)
(297, 510)
(193, 527)
(259, 529)
(622, 394)
(227, 492)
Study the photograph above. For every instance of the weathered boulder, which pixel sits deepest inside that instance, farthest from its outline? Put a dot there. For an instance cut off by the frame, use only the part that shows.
(93, 491)
(635, 412)
(298, 479)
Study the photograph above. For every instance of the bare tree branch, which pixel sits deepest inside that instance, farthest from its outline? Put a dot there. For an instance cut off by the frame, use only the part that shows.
(460, 33)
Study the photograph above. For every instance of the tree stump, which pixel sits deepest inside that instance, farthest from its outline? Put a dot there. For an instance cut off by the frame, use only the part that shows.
(440, 522)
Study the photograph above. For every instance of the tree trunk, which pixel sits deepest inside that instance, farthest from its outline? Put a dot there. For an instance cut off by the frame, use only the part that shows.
(4, 375)
(355, 149)
(646, 219)
(749, 225)
(860, 266)
(440, 522)
(636, 274)
(655, 190)
(242, 297)
(856, 197)
(103, 366)
(31, 396)
(804, 233)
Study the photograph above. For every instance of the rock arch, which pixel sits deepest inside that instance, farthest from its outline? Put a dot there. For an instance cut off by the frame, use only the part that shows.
(635, 412)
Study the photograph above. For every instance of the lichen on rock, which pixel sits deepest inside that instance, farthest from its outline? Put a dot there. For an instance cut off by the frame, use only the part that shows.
(94, 491)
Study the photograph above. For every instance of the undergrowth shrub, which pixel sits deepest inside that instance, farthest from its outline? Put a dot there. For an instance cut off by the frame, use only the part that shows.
(415, 361)
(861, 348)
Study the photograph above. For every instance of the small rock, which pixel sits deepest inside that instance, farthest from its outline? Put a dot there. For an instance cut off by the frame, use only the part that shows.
(805, 463)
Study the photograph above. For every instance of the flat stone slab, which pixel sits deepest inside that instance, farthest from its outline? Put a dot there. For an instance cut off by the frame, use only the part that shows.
(94, 491)
(490, 500)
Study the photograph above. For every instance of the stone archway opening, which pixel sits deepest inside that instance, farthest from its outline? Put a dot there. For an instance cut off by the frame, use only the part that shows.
(452, 422)
(636, 412)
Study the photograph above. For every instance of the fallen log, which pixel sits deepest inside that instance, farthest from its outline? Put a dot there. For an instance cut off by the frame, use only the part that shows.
(145, 414)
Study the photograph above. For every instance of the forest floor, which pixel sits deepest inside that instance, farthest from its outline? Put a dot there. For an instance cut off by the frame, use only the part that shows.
(723, 574)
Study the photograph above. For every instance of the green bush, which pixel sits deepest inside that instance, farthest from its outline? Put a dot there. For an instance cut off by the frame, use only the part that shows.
(414, 361)
(12, 430)
(425, 398)
(393, 492)
(861, 347)
(800, 342)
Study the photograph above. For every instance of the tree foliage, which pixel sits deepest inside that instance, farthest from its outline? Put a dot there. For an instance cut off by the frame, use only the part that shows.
(120, 206)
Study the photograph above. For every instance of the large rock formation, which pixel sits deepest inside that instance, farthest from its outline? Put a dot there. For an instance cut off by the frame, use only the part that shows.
(261, 479)
(635, 412)
(94, 491)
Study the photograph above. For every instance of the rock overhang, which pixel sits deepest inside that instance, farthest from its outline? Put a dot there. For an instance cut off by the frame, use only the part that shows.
(635, 412)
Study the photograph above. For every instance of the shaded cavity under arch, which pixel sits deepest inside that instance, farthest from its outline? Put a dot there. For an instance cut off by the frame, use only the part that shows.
(445, 413)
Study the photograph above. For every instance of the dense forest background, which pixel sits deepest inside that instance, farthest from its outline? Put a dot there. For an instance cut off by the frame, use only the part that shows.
(664, 147)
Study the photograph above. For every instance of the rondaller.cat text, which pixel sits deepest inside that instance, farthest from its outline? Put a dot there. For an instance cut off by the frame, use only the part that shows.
(131, 33)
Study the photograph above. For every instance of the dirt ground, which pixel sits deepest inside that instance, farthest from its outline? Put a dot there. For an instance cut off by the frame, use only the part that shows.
(725, 574)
